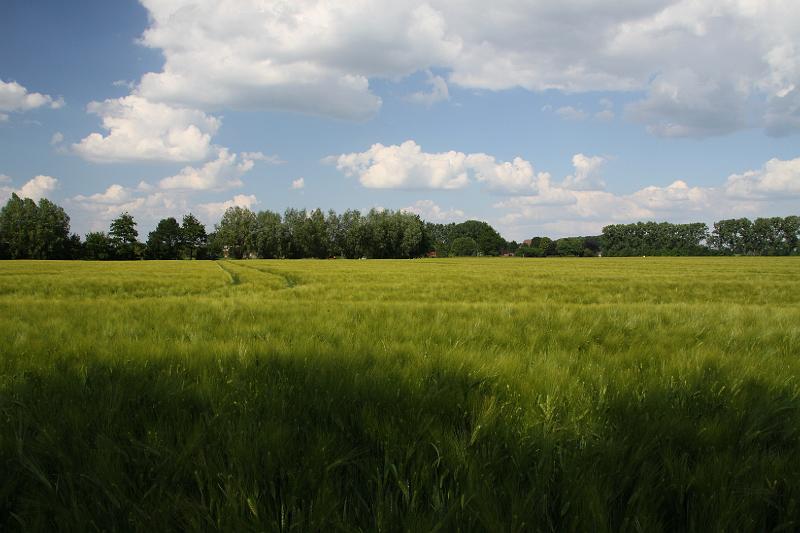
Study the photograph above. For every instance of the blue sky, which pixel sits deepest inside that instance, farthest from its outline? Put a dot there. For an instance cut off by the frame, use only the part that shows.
(542, 118)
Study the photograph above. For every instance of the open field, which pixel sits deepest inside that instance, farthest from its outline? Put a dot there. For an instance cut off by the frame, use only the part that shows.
(649, 394)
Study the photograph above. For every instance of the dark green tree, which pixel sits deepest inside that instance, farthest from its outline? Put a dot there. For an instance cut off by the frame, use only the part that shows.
(316, 235)
(463, 246)
(18, 227)
(236, 230)
(75, 247)
(165, 241)
(30, 231)
(51, 232)
(98, 246)
(268, 235)
(124, 236)
(193, 236)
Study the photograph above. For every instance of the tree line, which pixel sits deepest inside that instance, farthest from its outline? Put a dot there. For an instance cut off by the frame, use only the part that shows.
(42, 231)
(740, 236)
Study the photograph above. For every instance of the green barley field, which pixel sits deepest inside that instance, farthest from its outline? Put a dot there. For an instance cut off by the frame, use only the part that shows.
(598, 394)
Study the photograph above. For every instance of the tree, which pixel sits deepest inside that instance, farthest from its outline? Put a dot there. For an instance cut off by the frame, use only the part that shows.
(164, 242)
(791, 234)
(413, 242)
(352, 234)
(193, 236)
(316, 234)
(30, 231)
(440, 237)
(17, 226)
(463, 246)
(51, 232)
(75, 247)
(235, 231)
(570, 246)
(98, 246)
(268, 232)
(124, 236)
(652, 238)
(294, 243)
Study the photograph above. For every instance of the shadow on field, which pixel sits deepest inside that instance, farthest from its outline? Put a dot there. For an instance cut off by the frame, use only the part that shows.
(347, 443)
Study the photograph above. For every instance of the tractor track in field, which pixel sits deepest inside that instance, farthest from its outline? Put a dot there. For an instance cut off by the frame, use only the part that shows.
(290, 280)
(233, 276)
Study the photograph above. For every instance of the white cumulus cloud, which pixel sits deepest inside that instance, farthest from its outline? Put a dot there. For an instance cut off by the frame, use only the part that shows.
(141, 130)
(213, 211)
(114, 194)
(705, 68)
(587, 173)
(38, 187)
(16, 98)
(430, 210)
(776, 179)
(771, 190)
(299, 183)
(406, 166)
(221, 173)
(309, 56)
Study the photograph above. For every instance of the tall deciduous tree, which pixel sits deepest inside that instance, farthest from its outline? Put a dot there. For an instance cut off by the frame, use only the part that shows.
(98, 246)
(124, 236)
(30, 231)
(164, 242)
(193, 236)
(268, 235)
(235, 231)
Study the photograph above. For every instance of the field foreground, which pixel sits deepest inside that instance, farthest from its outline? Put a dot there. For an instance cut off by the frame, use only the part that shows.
(641, 394)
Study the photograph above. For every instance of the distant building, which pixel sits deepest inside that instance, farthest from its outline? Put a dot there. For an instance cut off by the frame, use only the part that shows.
(432, 253)
(527, 242)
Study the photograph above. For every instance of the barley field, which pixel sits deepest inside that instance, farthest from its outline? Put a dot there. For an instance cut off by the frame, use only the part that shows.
(598, 394)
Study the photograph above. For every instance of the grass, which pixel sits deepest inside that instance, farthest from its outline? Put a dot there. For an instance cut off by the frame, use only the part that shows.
(639, 394)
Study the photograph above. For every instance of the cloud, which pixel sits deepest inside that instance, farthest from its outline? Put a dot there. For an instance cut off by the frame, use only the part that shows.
(306, 56)
(429, 210)
(514, 176)
(776, 179)
(573, 212)
(406, 166)
(687, 104)
(557, 210)
(299, 183)
(141, 130)
(16, 98)
(571, 113)
(57, 138)
(702, 68)
(124, 83)
(214, 210)
(114, 194)
(222, 173)
(258, 156)
(36, 188)
(439, 91)
(587, 173)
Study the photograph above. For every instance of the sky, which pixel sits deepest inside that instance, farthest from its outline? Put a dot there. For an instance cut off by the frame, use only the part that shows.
(546, 117)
